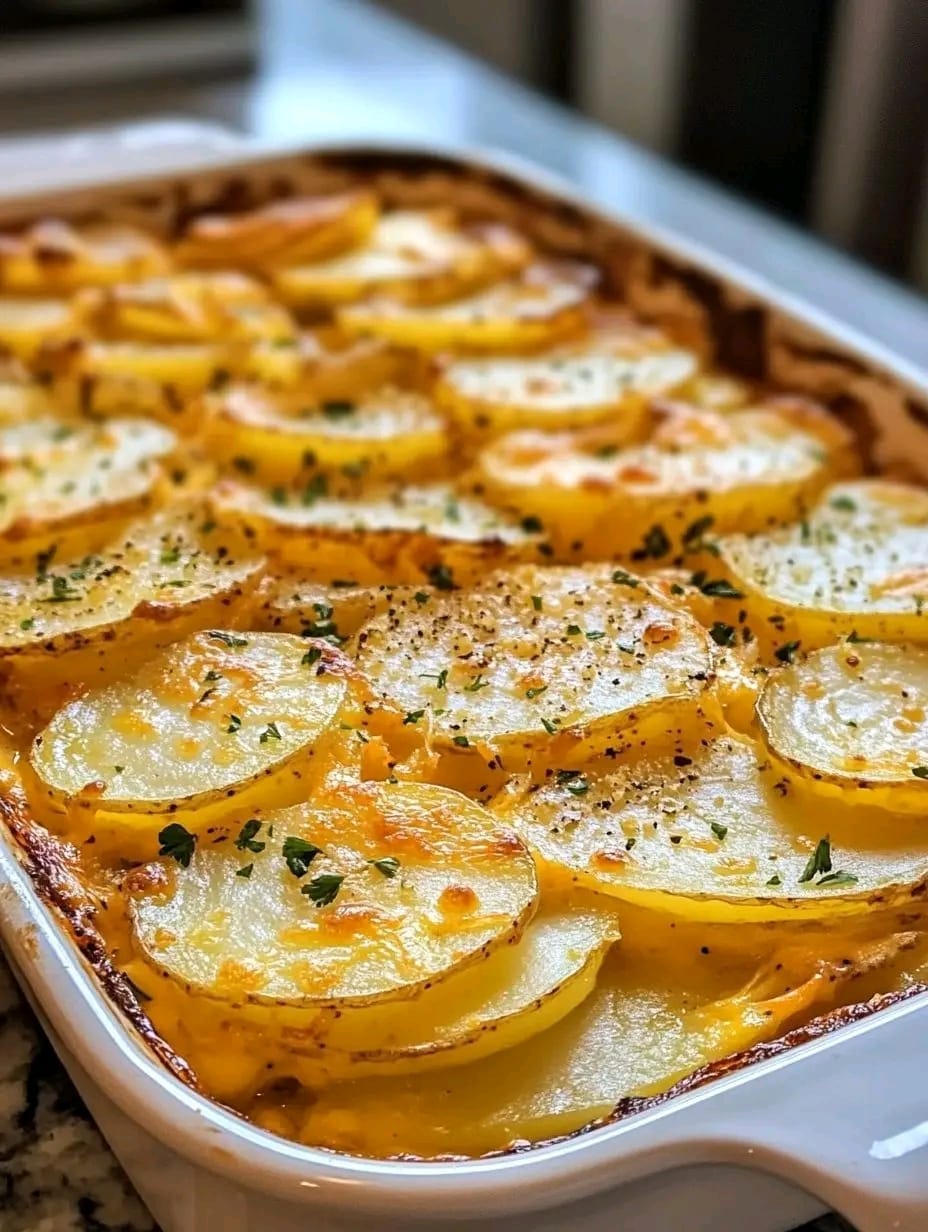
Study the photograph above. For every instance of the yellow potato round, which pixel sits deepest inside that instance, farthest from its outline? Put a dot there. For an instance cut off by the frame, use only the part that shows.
(746, 469)
(410, 533)
(543, 306)
(852, 721)
(414, 256)
(204, 720)
(490, 396)
(26, 325)
(518, 992)
(716, 832)
(53, 256)
(404, 885)
(858, 564)
(552, 662)
(289, 602)
(60, 476)
(386, 432)
(279, 233)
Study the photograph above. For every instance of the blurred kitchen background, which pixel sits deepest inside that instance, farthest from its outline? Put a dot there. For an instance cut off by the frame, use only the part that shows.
(815, 109)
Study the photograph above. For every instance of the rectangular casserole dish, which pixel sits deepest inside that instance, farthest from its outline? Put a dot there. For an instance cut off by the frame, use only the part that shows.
(838, 1110)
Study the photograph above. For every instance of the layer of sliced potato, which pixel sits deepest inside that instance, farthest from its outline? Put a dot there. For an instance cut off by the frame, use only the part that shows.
(146, 585)
(409, 533)
(386, 432)
(858, 564)
(415, 256)
(395, 887)
(746, 469)
(26, 325)
(520, 991)
(490, 396)
(564, 661)
(716, 832)
(57, 476)
(280, 233)
(54, 256)
(852, 721)
(671, 997)
(289, 602)
(207, 718)
(543, 306)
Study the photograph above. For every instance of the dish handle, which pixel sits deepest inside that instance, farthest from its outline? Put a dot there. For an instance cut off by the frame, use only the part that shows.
(845, 1118)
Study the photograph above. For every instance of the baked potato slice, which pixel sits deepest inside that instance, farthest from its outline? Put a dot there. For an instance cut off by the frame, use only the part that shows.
(206, 721)
(389, 533)
(714, 831)
(746, 469)
(386, 432)
(59, 477)
(540, 662)
(487, 397)
(368, 894)
(281, 233)
(412, 256)
(288, 602)
(53, 256)
(671, 997)
(857, 565)
(26, 325)
(148, 585)
(543, 306)
(518, 992)
(851, 721)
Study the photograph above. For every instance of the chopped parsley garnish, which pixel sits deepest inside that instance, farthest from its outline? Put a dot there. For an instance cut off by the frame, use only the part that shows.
(819, 861)
(62, 591)
(313, 655)
(855, 639)
(573, 780)
(322, 624)
(246, 870)
(299, 854)
(246, 840)
(412, 716)
(477, 684)
(27, 623)
(693, 535)
(787, 651)
(550, 725)
(461, 741)
(574, 630)
(271, 732)
(245, 466)
(234, 724)
(536, 691)
(227, 639)
(317, 486)
(212, 676)
(536, 602)
(775, 880)
(388, 865)
(840, 878)
(844, 503)
(422, 597)
(621, 578)
(170, 556)
(440, 678)
(441, 577)
(718, 829)
(920, 772)
(722, 634)
(593, 635)
(177, 842)
(323, 889)
(337, 409)
(655, 544)
(715, 588)
(531, 525)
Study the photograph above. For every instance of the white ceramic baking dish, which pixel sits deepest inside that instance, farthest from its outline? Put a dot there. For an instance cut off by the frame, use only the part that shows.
(840, 1119)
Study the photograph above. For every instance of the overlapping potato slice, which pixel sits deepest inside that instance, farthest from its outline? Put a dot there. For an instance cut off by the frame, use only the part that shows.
(200, 723)
(53, 256)
(490, 396)
(409, 533)
(716, 832)
(560, 661)
(280, 233)
(146, 584)
(58, 477)
(386, 432)
(22, 397)
(858, 564)
(26, 325)
(746, 469)
(289, 602)
(520, 991)
(412, 256)
(544, 305)
(852, 722)
(371, 893)
(671, 997)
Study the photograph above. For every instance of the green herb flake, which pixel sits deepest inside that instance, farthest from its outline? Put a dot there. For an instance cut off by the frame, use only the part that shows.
(621, 578)
(27, 623)
(337, 409)
(323, 889)
(461, 741)
(920, 772)
(536, 691)
(246, 840)
(718, 829)
(227, 639)
(787, 651)
(775, 880)
(235, 723)
(840, 878)
(246, 870)
(412, 716)
(178, 843)
(819, 861)
(844, 503)
(477, 684)
(536, 602)
(313, 655)
(299, 853)
(389, 866)
(715, 588)
(422, 597)
(722, 634)
(441, 577)
(532, 525)
(271, 732)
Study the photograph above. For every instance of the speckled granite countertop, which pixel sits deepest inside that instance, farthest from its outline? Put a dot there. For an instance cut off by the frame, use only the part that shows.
(56, 1172)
